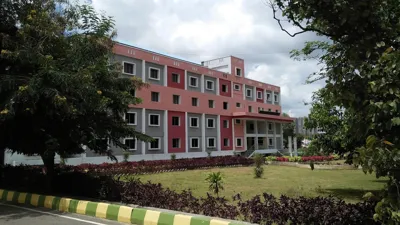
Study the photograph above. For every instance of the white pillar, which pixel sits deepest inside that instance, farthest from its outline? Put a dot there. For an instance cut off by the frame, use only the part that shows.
(144, 125)
(282, 147)
(245, 134)
(203, 131)
(202, 83)
(295, 145)
(290, 145)
(166, 147)
(186, 79)
(256, 137)
(254, 94)
(244, 92)
(144, 71)
(233, 136)
(217, 86)
(165, 75)
(274, 128)
(187, 122)
(218, 133)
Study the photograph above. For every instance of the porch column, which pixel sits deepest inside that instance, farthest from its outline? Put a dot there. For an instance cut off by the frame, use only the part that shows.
(274, 140)
(290, 145)
(295, 145)
(256, 132)
(245, 134)
(233, 136)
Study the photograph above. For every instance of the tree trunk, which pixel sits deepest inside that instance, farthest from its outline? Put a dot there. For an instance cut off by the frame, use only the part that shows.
(48, 161)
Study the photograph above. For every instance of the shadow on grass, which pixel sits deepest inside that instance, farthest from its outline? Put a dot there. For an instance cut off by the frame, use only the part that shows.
(347, 193)
(380, 181)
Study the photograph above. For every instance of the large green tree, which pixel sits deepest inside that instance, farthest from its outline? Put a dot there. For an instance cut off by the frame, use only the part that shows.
(60, 89)
(361, 61)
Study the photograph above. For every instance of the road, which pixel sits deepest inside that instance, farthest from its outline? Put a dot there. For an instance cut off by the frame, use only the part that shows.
(21, 215)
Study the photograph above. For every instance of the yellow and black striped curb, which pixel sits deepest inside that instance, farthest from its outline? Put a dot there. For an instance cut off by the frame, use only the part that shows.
(124, 214)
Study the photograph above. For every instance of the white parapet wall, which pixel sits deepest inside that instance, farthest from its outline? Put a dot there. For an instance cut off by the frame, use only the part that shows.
(18, 159)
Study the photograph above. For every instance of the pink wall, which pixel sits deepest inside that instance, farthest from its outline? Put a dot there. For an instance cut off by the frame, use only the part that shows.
(239, 133)
(181, 73)
(131, 51)
(186, 101)
(237, 94)
(262, 96)
(228, 85)
(176, 132)
(226, 132)
(237, 63)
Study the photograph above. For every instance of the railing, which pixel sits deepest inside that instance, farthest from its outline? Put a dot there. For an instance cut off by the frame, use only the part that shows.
(249, 151)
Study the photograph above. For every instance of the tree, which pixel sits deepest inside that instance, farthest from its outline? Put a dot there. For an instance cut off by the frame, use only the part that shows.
(215, 182)
(361, 61)
(62, 89)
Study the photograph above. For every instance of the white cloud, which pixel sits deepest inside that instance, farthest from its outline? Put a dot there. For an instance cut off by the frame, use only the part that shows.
(204, 29)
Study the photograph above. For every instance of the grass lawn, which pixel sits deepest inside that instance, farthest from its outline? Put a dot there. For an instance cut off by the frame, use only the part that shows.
(350, 185)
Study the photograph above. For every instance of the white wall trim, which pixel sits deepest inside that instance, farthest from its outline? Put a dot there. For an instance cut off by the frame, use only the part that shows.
(219, 133)
(159, 73)
(144, 71)
(186, 132)
(144, 124)
(165, 75)
(217, 86)
(166, 147)
(202, 83)
(134, 68)
(185, 79)
(203, 131)
(233, 135)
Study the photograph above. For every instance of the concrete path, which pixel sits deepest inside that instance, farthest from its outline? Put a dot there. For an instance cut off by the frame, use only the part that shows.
(23, 215)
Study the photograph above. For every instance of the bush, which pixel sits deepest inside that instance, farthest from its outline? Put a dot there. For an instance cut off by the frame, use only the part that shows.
(173, 156)
(258, 172)
(300, 158)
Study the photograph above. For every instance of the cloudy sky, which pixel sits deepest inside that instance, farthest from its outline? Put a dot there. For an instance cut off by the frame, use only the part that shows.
(198, 30)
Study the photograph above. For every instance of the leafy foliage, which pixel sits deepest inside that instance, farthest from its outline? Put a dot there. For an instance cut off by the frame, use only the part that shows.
(264, 209)
(215, 182)
(259, 161)
(361, 69)
(60, 88)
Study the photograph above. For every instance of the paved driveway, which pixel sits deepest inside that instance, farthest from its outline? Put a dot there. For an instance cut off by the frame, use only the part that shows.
(23, 215)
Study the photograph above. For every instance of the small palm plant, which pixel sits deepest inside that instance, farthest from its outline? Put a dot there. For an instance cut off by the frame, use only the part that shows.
(215, 182)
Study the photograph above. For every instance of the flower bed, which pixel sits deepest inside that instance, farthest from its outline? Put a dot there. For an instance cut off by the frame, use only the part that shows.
(301, 158)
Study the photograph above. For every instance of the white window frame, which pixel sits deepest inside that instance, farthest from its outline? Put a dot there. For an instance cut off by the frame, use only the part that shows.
(130, 138)
(259, 94)
(179, 144)
(213, 122)
(159, 144)
(179, 77)
(213, 104)
(191, 143)
(179, 121)
(223, 140)
(159, 73)
(151, 96)
(247, 92)
(277, 98)
(197, 81)
(179, 99)
(208, 143)
(159, 120)
(241, 142)
(123, 68)
(240, 105)
(197, 101)
(227, 123)
(272, 142)
(236, 85)
(268, 98)
(270, 126)
(190, 122)
(125, 118)
(240, 72)
(227, 88)
(227, 105)
(212, 85)
(238, 120)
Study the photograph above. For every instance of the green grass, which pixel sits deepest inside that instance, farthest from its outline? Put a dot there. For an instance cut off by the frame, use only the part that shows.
(349, 185)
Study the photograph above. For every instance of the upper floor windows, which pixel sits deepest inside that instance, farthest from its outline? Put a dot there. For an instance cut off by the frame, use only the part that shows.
(193, 81)
(224, 88)
(129, 68)
(238, 72)
(176, 78)
(210, 85)
(155, 96)
(154, 73)
(236, 87)
(249, 92)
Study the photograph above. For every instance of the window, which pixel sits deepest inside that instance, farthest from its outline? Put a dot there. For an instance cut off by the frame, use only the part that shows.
(225, 123)
(248, 92)
(154, 120)
(237, 121)
(270, 126)
(270, 142)
(226, 142)
(260, 109)
(238, 105)
(155, 144)
(130, 118)
(129, 68)
(225, 105)
(155, 96)
(194, 143)
(211, 104)
(211, 142)
(131, 143)
(224, 88)
(193, 81)
(250, 108)
(275, 98)
(277, 111)
(269, 110)
(154, 73)
(176, 99)
(239, 142)
(195, 102)
(236, 87)
(210, 123)
(238, 72)
(176, 121)
(175, 78)
(194, 122)
(259, 94)
(251, 126)
(210, 85)
(176, 143)
(268, 97)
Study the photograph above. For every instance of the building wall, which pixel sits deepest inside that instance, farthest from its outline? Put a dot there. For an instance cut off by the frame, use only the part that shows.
(228, 85)
(195, 132)
(155, 131)
(137, 62)
(182, 80)
(211, 132)
(262, 100)
(192, 88)
(226, 133)
(212, 79)
(149, 65)
(177, 132)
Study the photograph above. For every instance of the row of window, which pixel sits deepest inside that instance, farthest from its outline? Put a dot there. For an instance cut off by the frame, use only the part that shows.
(154, 120)
(194, 142)
(154, 74)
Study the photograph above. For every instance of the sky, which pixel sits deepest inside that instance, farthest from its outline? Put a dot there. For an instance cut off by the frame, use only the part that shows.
(198, 30)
